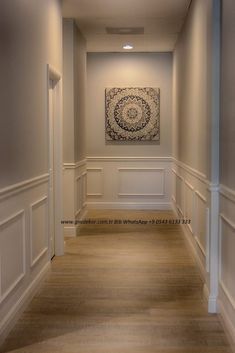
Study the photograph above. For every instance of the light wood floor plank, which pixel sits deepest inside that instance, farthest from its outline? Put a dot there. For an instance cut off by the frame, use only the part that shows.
(121, 289)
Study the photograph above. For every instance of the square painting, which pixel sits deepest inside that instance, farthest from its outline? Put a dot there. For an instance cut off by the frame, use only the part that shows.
(132, 114)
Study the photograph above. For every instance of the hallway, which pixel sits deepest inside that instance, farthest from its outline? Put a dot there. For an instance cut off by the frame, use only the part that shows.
(121, 289)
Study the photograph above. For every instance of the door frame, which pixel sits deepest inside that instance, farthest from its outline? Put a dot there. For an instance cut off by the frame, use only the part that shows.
(56, 77)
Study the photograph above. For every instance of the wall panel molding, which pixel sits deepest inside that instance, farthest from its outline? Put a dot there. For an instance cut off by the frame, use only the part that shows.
(6, 225)
(128, 159)
(227, 192)
(188, 198)
(98, 181)
(39, 229)
(74, 165)
(24, 185)
(142, 170)
(194, 172)
(129, 205)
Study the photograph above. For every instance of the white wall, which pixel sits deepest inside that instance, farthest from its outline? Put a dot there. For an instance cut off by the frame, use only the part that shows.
(227, 169)
(31, 34)
(111, 166)
(192, 96)
(74, 114)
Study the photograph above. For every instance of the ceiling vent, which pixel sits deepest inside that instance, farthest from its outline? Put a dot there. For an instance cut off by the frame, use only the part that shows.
(125, 30)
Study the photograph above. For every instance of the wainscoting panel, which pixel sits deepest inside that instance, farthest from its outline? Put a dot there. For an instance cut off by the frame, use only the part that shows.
(75, 180)
(95, 182)
(190, 202)
(227, 258)
(39, 230)
(200, 222)
(129, 182)
(24, 239)
(189, 207)
(141, 182)
(12, 253)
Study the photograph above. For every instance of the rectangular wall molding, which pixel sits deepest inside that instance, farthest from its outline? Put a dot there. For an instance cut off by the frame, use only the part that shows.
(39, 228)
(129, 182)
(139, 179)
(190, 202)
(226, 258)
(227, 193)
(95, 182)
(12, 252)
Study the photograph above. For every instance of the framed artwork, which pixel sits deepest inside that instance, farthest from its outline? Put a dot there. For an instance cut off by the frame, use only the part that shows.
(132, 114)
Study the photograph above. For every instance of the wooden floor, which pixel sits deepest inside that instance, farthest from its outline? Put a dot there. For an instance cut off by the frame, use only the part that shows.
(121, 289)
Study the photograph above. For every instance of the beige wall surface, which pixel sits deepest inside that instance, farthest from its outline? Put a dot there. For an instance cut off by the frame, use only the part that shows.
(68, 90)
(127, 70)
(191, 89)
(227, 130)
(74, 90)
(31, 34)
(80, 60)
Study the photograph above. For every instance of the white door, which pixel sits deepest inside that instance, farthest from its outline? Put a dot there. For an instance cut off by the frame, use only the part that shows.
(51, 169)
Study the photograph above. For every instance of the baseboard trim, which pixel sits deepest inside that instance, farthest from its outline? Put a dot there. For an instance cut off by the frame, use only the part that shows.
(12, 316)
(129, 205)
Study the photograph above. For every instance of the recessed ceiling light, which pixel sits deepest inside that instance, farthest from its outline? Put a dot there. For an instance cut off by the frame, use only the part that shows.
(127, 46)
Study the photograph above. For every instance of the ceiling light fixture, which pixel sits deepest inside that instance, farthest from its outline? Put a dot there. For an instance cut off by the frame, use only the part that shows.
(128, 46)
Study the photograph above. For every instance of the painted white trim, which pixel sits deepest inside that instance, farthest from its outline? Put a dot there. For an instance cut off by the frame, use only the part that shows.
(128, 159)
(54, 75)
(189, 185)
(192, 189)
(226, 320)
(214, 247)
(201, 197)
(96, 169)
(69, 165)
(23, 185)
(200, 246)
(93, 169)
(129, 205)
(177, 174)
(18, 307)
(228, 221)
(227, 192)
(21, 215)
(74, 165)
(190, 241)
(78, 212)
(43, 200)
(207, 240)
(227, 293)
(194, 172)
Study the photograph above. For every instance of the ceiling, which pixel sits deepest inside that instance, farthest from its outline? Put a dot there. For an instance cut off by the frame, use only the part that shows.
(160, 20)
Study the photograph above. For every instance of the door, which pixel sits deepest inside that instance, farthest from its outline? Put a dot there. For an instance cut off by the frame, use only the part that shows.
(51, 169)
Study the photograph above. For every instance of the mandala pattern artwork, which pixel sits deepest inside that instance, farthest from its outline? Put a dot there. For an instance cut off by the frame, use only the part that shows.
(132, 114)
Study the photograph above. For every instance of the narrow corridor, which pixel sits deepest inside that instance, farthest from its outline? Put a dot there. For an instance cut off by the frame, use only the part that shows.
(121, 289)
